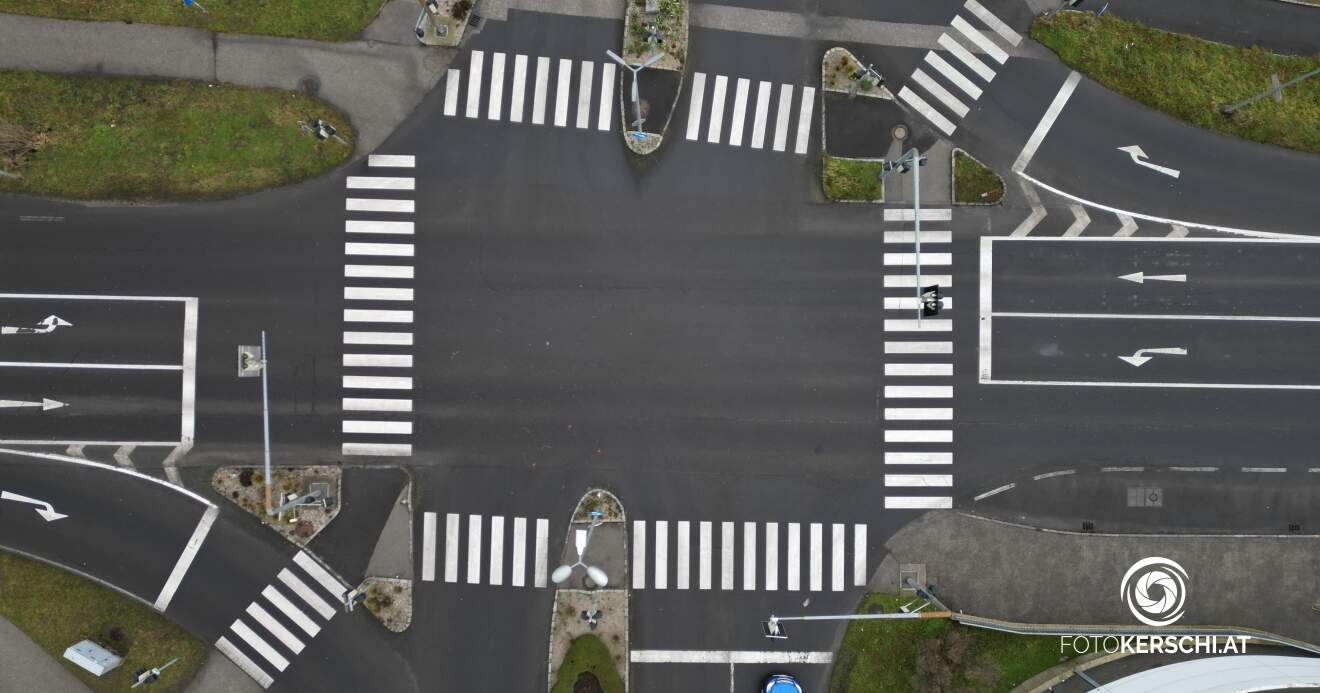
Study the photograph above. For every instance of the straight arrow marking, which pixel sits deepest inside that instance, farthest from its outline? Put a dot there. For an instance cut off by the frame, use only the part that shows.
(46, 404)
(1139, 156)
(44, 509)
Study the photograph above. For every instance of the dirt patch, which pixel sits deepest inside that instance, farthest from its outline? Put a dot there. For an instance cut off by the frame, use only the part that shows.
(390, 600)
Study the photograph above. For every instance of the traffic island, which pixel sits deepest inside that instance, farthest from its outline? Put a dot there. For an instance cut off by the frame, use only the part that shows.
(655, 50)
(390, 600)
(389, 581)
(443, 22)
(852, 180)
(307, 497)
(974, 183)
(589, 621)
(856, 111)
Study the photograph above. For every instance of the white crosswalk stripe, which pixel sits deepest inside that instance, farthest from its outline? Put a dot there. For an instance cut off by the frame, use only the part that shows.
(495, 556)
(452, 84)
(538, 94)
(565, 76)
(717, 109)
(935, 117)
(749, 555)
(263, 618)
(495, 105)
(943, 95)
(979, 39)
(805, 108)
(607, 82)
(256, 642)
(518, 95)
(391, 161)
(403, 228)
(952, 74)
(293, 613)
(993, 22)
(971, 61)
(694, 105)
(784, 112)
(739, 112)
(681, 554)
(474, 83)
(759, 118)
(585, 77)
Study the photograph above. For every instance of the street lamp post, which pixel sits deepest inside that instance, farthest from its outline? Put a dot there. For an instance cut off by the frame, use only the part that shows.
(775, 631)
(265, 421)
(581, 539)
(636, 96)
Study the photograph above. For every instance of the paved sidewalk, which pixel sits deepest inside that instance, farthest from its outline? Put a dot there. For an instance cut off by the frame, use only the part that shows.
(377, 81)
(28, 668)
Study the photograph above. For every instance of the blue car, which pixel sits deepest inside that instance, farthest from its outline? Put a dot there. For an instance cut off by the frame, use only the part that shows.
(781, 683)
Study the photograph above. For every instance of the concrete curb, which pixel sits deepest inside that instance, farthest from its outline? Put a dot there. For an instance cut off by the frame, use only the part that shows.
(1120, 535)
(1059, 673)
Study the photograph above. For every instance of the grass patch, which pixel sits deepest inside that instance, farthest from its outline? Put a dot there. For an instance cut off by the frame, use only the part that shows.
(851, 179)
(588, 654)
(57, 609)
(974, 181)
(134, 139)
(325, 20)
(934, 655)
(1189, 78)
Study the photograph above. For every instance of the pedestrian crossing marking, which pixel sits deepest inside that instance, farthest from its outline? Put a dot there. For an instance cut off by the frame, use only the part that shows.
(586, 75)
(805, 109)
(538, 96)
(518, 94)
(694, 105)
(474, 83)
(782, 116)
(606, 96)
(985, 44)
(935, 117)
(993, 22)
(496, 104)
(971, 61)
(739, 112)
(762, 110)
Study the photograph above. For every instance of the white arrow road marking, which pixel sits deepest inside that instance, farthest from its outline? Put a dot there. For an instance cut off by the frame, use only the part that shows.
(45, 404)
(1141, 277)
(1139, 156)
(45, 510)
(48, 324)
(1141, 356)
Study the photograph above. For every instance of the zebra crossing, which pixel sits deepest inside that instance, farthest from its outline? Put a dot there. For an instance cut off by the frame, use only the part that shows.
(540, 91)
(378, 273)
(952, 100)
(918, 433)
(472, 542)
(277, 627)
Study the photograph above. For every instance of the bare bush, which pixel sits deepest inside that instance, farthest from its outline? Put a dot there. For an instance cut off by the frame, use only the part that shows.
(16, 143)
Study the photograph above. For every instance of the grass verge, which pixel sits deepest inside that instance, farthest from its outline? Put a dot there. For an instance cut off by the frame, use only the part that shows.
(1190, 78)
(851, 179)
(934, 655)
(57, 609)
(588, 654)
(324, 20)
(974, 182)
(134, 139)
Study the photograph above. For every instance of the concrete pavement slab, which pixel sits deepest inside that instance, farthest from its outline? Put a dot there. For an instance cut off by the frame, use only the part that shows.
(112, 48)
(28, 667)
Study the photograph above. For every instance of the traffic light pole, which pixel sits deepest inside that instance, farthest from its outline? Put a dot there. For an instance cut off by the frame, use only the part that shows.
(265, 420)
(916, 216)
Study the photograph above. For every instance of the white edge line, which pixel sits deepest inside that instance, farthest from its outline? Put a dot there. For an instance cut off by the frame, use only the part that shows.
(1205, 386)
(1051, 475)
(728, 657)
(1159, 316)
(91, 297)
(993, 491)
(188, 404)
(117, 443)
(186, 558)
(1309, 240)
(114, 468)
(986, 308)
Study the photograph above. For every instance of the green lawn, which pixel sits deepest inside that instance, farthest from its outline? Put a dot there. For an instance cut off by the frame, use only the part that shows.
(57, 609)
(588, 653)
(933, 655)
(851, 179)
(326, 20)
(1189, 78)
(974, 182)
(134, 139)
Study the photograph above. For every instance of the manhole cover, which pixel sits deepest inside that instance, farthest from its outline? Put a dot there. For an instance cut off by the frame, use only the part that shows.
(900, 132)
(1145, 497)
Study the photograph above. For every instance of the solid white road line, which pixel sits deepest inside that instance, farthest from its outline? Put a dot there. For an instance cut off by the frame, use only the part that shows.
(931, 214)
(377, 449)
(497, 550)
(378, 271)
(911, 303)
(367, 315)
(918, 347)
(837, 545)
(726, 555)
(682, 533)
(371, 293)
(262, 647)
(782, 115)
(1194, 469)
(248, 666)
(1051, 475)
(185, 559)
(945, 97)
(379, 338)
(518, 565)
(603, 117)
(496, 103)
(1080, 221)
(919, 391)
(92, 366)
(451, 547)
(390, 227)
(357, 204)
(927, 259)
(385, 249)
(986, 45)
(322, 576)
(730, 657)
(952, 74)
(293, 613)
(639, 555)
(306, 594)
(392, 160)
(859, 555)
(585, 78)
(717, 109)
(276, 628)
(919, 369)
(474, 83)
(474, 550)
(918, 458)
(909, 281)
(379, 427)
(704, 556)
(749, 555)
(817, 558)
(805, 109)
(759, 117)
(918, 436)
(380, 183)
(918, 502)
(540, 565)
(926, 236)
(739, 112)
(771, 556)
(538, 95)
(517, 96)
(926, 325)
(993, 491)
(793, 566)
(993, 22)
(1046, 122)
(1127, 226)
(662, 554)
(918, 413)
(694, 105)
(981, 69)
(1275, 470)
(1146, 316)
(452, 79)
(562, 92)
(428, 547)
(377, 382)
